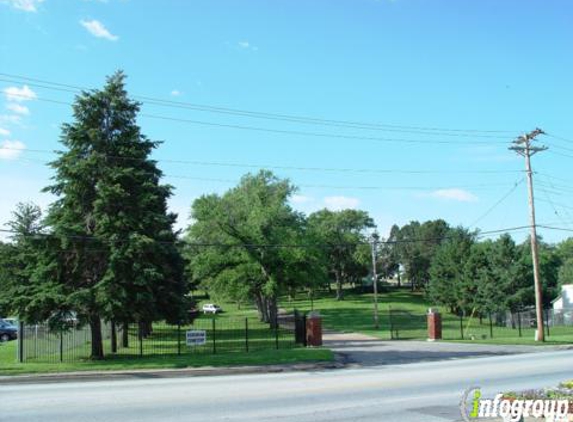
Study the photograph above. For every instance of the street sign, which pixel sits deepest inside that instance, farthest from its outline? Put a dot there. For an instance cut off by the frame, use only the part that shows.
(196, 337)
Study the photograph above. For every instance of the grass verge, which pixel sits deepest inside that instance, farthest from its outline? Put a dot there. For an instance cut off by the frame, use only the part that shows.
(8, 365)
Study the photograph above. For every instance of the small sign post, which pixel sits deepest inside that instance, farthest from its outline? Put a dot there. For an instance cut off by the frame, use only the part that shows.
(195, 337)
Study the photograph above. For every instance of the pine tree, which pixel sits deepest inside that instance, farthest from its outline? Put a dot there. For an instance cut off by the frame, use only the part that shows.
(118, 255)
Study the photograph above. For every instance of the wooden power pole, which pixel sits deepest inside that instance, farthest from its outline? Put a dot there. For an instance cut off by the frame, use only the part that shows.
(374, 246)
(522, 145)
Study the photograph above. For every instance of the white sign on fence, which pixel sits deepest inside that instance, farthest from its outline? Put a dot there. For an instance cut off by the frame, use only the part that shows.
(196, 337)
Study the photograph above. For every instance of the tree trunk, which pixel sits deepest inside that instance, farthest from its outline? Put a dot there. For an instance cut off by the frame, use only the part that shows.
(113, 337)
(262, 307)
(399, 279)
(125, 335)
(146, 328)
(272, 311)
(339, 293)
(97, 341)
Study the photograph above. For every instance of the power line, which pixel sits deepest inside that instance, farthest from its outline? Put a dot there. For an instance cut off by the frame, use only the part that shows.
(286, 131)
(259, 245)
(497, 203)
(555, 228)
(560, 138)
(281, 167)
(477, 186)
(264, 115)
(548, 197)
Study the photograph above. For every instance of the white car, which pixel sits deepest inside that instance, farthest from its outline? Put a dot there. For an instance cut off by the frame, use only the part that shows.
(210, 308)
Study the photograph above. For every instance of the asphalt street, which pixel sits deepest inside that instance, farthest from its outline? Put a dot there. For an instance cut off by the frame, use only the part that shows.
(427, 391)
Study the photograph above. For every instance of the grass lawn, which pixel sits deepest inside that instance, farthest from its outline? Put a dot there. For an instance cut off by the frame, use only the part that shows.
(355, 314)
(8, 365)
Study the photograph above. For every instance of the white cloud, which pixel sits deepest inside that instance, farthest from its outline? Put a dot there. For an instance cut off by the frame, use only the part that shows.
(4, 132)
(245, 45)
(337, 203)
(13, 93)
(10, 119)
(18, 108)
(454, 194)
(301, 199)
(10, 150)
(25, 5)
(175, 93)
(98, 29)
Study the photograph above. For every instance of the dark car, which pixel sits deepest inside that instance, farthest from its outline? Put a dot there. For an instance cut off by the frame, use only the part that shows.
(7, 331)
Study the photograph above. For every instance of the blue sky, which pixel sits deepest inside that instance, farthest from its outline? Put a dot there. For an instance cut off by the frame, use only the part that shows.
(481, 65)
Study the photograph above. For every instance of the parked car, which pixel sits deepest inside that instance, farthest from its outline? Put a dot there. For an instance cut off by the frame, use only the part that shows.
(7, 331)
(12, 321)
(211, 308)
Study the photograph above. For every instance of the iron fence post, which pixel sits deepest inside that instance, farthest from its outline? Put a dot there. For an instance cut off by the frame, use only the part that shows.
(519, 322)
(179, 338)
(140, 336)
(462, 324)
(304, 329)
(61, 345)
(21, 342)
(247, 334)
(490, 326)
(391, 323)
(214, 337)
(277, 331)
(547, 321)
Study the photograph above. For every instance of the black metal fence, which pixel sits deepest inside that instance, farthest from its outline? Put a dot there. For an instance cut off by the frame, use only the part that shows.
(558, 324)
(38, 343)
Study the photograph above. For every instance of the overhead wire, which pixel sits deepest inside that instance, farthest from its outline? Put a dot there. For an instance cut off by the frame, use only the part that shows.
(286, 131)
(42, 83)
(476, 186)
(497, 203)
(282, 167)
(256, 245)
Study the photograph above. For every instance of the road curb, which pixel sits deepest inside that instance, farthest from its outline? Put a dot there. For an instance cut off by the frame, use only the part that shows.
(89, 376)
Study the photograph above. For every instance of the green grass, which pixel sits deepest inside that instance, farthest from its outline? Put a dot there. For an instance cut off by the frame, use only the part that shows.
(225, 334)
(8, 365)
(355, 314)
(160, 349)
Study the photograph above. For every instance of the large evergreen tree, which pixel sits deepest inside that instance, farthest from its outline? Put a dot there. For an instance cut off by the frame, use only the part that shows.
(447, 270)
(18, 260)
(118, 258)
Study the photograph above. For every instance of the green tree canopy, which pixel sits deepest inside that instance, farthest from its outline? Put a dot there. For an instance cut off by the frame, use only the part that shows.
(244, 243)
(343, 234)
(112, 251)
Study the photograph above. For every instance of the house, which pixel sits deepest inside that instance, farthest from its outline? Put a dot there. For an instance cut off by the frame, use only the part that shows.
(565, 300)
(563, 307)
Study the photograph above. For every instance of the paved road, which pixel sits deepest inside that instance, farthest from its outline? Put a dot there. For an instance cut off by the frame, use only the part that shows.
(427, 392)
(364, 350)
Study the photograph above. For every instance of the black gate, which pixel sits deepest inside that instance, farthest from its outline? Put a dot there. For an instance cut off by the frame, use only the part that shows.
(300, 327)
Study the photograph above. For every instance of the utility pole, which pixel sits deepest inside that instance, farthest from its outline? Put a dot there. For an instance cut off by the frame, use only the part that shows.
(374, 246)
(522, 145)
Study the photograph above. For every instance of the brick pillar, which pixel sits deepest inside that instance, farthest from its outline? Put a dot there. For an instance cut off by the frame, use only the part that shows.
(314, 329)
(434, 325)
